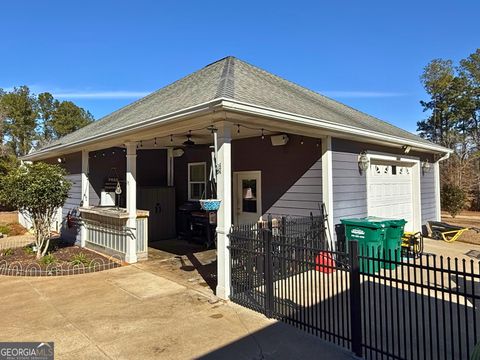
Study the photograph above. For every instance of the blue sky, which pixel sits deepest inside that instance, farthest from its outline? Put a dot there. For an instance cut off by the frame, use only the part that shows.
(105, 54)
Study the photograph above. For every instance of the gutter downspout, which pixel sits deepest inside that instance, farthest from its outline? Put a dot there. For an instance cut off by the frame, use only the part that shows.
(436, 174)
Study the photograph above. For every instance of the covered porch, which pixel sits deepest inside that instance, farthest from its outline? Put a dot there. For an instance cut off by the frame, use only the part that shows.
(163, 173)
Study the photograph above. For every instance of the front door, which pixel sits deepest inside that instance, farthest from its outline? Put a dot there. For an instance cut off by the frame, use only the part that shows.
(248, 197)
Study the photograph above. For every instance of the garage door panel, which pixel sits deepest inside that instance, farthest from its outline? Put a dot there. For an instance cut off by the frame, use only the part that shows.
(390, 192)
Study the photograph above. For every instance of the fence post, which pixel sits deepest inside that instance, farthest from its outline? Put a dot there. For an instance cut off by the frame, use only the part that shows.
(269, 279)
(355, 299)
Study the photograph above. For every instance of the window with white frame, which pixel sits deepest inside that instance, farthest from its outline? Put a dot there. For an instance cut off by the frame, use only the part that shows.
(197, 180)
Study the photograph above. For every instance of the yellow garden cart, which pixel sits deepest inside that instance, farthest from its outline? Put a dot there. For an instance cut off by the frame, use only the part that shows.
(446, 232)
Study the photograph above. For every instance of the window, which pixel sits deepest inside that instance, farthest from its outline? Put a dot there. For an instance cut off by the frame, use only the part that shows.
(197, 180)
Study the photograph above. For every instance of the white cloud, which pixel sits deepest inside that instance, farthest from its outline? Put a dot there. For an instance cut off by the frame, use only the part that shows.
(85, 94)
(100, 94)
(360, 94)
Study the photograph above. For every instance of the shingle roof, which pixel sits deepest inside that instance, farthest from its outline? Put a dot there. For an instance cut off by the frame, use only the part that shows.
(237, 80)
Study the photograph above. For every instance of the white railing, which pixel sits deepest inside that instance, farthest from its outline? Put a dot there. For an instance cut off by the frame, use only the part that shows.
(112, 237)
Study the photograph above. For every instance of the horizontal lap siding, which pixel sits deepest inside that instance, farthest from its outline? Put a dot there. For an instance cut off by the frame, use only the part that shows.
(349, 187)
(73, 166)
(71, 205)
(428, 197)
(304, 197)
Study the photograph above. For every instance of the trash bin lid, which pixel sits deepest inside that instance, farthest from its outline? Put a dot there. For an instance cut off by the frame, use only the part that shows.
(364, 222)
(388, 221)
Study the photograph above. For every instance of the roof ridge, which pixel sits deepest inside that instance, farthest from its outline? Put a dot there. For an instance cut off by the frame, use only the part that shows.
(226, 86)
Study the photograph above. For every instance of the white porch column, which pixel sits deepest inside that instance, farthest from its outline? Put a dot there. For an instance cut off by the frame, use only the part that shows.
(170, 164)
(131, 253)
(436, 179)
(224, 214)
(327, 185)
(85, 183)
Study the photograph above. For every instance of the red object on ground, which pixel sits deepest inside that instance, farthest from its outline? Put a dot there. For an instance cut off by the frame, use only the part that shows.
(324, 262)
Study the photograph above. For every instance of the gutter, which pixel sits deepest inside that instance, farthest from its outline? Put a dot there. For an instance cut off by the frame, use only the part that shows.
(445, 157)
(241, 107)
(257, 110)
(132, 128)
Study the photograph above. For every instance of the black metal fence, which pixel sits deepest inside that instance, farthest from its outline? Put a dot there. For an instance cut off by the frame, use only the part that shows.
(424, 308)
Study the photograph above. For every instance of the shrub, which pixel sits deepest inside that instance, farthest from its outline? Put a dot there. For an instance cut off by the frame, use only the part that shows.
(79, 259)
(48, 259)
(7, 252)
(4, 229)
(453, 199)
(29, 250)
(37, 190)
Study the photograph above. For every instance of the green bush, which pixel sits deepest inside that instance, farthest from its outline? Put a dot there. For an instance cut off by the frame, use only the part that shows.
(48, 259)
(37, 191)
(4, 229)
(79, 259)
(453, 199)
(7, 252)
(29, 250)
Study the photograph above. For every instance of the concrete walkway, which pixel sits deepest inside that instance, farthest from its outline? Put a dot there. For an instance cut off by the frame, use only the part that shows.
(134, 313)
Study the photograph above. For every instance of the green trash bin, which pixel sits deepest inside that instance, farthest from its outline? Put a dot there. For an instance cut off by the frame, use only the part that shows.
(392, 246)
(370, 234)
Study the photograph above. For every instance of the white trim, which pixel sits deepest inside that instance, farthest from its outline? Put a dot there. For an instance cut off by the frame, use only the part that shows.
(235, 188)
(85, 188)
(188, 112)
(327, 185)
(415, 163)
(131, 176)
(436, 177)
(232, 105)
(224, 213)
(238, 106)
(196, 182)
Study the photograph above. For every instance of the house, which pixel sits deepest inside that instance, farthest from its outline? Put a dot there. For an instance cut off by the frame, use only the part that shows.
(282, 149)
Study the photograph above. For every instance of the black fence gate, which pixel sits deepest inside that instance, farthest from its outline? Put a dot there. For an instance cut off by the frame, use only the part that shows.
(423, 308)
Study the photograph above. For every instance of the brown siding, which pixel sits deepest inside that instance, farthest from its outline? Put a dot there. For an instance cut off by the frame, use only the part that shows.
(291, 174)
(151, 169)
(192, 154)
(101, 165)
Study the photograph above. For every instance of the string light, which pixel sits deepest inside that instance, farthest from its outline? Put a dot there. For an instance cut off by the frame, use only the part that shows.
(210, 128)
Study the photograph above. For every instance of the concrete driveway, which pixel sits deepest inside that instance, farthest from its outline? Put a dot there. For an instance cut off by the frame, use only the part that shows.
(134, 313)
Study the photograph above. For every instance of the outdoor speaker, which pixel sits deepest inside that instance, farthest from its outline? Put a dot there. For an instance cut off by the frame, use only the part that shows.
(279, 140)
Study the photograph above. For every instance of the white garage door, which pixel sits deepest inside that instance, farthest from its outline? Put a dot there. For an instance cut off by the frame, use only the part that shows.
(390, 192)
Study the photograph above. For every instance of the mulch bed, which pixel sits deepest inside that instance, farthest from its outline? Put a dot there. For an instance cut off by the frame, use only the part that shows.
(20, 261)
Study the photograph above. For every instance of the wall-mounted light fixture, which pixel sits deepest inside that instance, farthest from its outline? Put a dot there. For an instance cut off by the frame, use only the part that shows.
(406, 148)
(426, 166)
(363, 161)
(61, 160)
